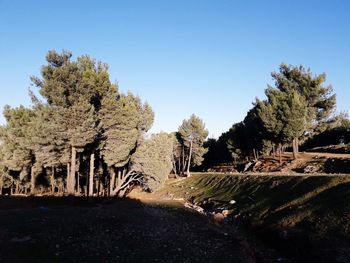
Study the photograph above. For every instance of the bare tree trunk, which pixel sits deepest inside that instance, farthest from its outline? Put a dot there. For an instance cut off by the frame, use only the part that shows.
(174, 164)
(91, 176)
(78, 184)
(189, 160)
(122, 192)
(32, 181)
(119, 176)
(123, 182)
(254, 153)
(52, 181)
(98, 184)
(112, 181)
(108, 184)
(71, 178)
(183, 160)
(280, 152)
(17, 187)
(68, 174)
(293, 147)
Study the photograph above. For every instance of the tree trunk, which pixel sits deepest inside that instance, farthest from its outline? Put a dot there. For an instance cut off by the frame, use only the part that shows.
(254, 153)
(273, 151)
(78, 184)
(17, 187)
(297, 146)
(68, 175)
(32, 181)
(183, 160)
(174, 164)
(91, 176)
(189, 160)
(98, 185)
(52, 181)
(71, 178)
(280, 152)
(112, 182)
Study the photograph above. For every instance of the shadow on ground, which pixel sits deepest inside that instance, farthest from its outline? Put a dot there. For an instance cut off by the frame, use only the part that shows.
(56, 229)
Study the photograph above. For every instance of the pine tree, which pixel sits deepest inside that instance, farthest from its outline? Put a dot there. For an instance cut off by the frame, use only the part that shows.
(123, 121)
(152, 160)
(74, 89)
(15, 137)
(193, 134)
(284, 116)
(299, 104)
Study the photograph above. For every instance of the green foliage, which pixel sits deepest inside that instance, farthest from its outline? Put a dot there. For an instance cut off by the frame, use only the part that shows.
(15, 136)
(297, 107)
(123, 120)
(217, 153)
(320, 100)
(193, 131)
(82, 113)
(284, 115)
(80, 120)
(49, 140)
(153, 159)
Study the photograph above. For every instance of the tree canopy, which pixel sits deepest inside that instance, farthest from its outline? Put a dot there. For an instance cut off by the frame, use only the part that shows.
(80, 134)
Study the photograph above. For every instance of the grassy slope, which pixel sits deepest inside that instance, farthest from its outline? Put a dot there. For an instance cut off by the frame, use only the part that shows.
(317, 205)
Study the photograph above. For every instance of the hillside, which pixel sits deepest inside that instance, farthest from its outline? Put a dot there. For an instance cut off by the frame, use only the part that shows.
(307, 218)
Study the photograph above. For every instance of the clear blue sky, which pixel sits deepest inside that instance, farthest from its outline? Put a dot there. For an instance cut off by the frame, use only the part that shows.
(211, 58)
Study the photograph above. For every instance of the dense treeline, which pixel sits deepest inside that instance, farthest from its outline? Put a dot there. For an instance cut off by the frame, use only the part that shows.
(296, 109)
(83, 136)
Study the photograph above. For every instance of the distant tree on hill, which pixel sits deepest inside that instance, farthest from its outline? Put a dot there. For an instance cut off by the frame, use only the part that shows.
(297, 107)
(193, 135)
(298, 104)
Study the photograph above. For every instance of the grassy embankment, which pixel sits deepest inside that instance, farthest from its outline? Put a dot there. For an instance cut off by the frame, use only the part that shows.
(312, 210)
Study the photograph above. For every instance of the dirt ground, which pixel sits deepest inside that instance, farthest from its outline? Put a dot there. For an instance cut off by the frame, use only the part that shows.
(80, 230)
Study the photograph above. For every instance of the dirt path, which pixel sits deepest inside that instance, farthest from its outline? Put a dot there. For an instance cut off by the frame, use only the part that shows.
(325, 155)
(309, 155)
(72, 230)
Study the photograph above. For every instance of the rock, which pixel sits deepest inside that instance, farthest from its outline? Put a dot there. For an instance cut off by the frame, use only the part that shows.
(218, 217)
(194, 207)
(257, 166)
(226, 212)
(247, 167)
(311, 169)
(232, 202)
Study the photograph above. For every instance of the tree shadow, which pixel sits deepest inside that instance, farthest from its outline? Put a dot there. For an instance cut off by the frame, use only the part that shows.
(75, 229)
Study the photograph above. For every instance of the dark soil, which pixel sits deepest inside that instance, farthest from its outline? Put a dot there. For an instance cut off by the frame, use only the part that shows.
(99, 230)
